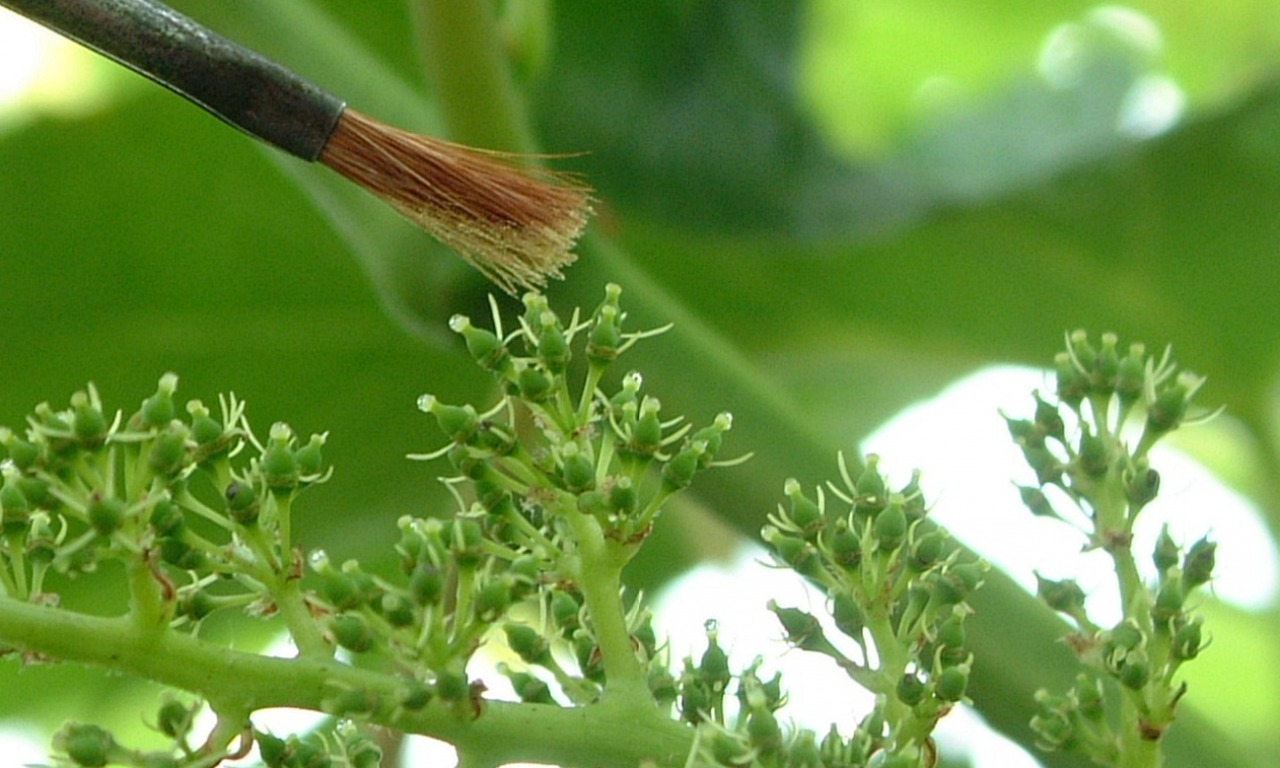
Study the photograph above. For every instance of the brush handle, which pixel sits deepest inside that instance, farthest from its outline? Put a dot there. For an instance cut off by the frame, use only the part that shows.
(233, 83)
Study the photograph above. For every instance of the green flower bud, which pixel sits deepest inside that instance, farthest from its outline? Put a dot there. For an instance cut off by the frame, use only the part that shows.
(458, 422)
(1135, 673)
(1197, 567)
(205, 429)
(1072, 385)
(646, 432)
(1095, 455)
(578, 472)
(309, 457)
(564, 610)
(466, 541)
(1107, 364)
(951, 632)
(530, 689)
(845, 546)
(928, 550)
(604, 339)
(307, 754)
(1131, 374)
(1127, 635)
(623, 497)
(167, 519)
(662, 685)
(959, 581)
(678, 473)
(1187, 640)
(1035, 500)
(802, 629)
(279, 465)
(22, 453)
(158, 410)
(197, 605)
(713, 669)
(910, 689)
(272, 749)
(1083, 352)
(1023, 431)
(527, 643)
(1171, 403)
(1169, 599)
(484, 346)
(1064, 596)
(794, 551)
(397, 610)
(452, 684)
(1048, 421)
(712, 437)
(169, 453)
(86, 745)
(493, 599)
(533, 384)
(340, 590)
(587, 653)
(728, 749)
(890, 527)
(805, 514)
(174, 718)
(242, 502)
(952, 683)
(352, 632)
(1044, 463)
(804, 752)
(180, 554)
(1054, 730)
(106, 515)
(414, 696)
(426, 585)
(348, 703)
(763, 731)
(87, 421)
(870, 488)
(695, 699)
(1166, 554)
(1142, 487)
(15, 510)
(361, 751)
(849, 616)
(553, 345)
(1090, 699)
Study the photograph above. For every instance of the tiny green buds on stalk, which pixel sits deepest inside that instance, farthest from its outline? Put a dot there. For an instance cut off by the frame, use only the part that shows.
(1121, 404)
(897, 591)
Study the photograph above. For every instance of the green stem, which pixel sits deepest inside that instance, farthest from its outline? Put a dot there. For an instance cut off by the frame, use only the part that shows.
(599, 575)
(470, 75)
(607, 734)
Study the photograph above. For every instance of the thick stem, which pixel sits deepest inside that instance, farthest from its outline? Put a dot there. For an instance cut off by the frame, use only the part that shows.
(605, 735)
(470, 75)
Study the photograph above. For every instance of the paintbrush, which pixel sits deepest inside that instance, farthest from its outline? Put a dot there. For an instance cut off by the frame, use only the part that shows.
(516, 225)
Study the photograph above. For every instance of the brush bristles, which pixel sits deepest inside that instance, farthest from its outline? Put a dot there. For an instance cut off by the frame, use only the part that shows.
(517, 226)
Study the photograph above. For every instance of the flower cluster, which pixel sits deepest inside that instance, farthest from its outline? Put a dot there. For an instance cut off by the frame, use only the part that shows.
(1089, 450)
(897, 592)
(169, 495)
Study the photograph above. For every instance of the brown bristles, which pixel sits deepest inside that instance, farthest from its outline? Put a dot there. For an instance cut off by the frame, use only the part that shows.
(515, 225)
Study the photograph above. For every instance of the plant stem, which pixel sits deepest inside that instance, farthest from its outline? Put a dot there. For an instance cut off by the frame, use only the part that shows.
(471, 76)
(604, 734)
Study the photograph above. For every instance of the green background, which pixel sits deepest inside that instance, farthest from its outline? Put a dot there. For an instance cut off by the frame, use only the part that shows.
(841, 205)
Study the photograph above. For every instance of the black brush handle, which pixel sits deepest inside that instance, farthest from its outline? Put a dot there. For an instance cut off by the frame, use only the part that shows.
(237, 85)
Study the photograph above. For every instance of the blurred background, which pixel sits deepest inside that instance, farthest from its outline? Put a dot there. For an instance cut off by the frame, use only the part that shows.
(847, 208)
